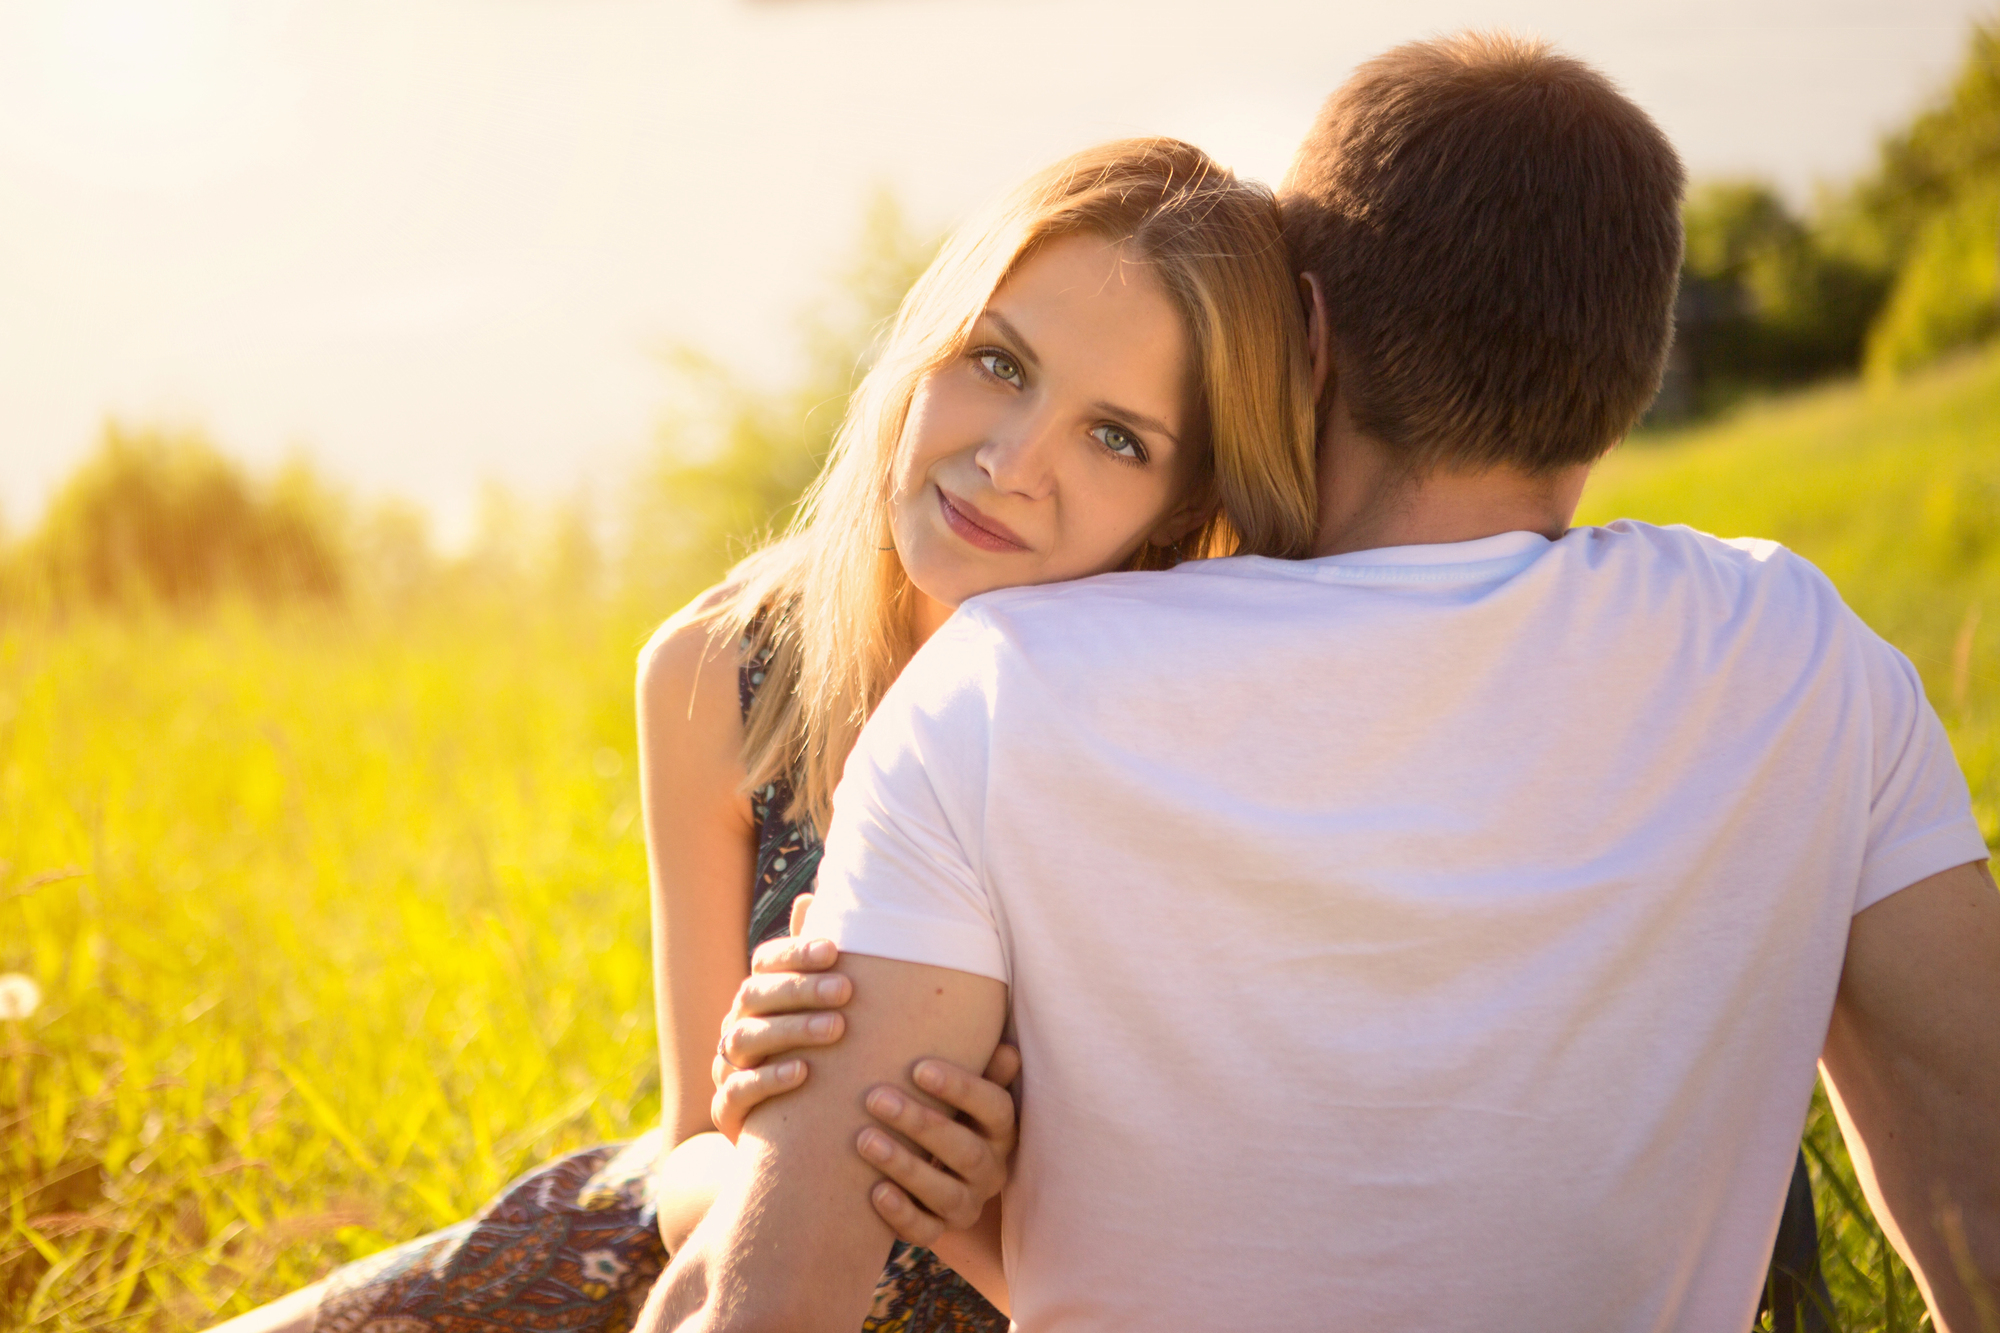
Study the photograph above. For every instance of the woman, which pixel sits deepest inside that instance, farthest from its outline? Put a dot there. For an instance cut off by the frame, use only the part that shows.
(1108, 371)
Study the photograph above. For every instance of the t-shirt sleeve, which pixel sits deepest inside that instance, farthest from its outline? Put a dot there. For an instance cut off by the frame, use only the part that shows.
(1920, 819)
(900, 876)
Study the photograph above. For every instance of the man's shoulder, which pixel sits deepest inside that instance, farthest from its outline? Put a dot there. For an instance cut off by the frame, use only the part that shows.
(1735, 566)
(1678, 542)
(1099, 590)
(1125, 593)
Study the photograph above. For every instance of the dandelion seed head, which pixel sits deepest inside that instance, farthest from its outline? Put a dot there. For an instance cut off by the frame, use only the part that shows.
(19, 995)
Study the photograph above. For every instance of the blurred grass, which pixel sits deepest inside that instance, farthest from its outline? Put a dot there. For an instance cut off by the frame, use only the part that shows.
(340, 910)
(342, 924)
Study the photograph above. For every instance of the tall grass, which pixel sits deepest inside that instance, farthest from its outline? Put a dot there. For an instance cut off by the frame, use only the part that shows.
(340, 914)
(341, 924)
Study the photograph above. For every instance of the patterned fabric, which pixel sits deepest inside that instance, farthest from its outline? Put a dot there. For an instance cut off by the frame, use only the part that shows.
(571, 1246)
(574, 1246)
(787, 853)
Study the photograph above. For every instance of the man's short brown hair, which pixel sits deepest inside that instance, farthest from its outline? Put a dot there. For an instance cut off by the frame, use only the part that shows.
(1498, 232)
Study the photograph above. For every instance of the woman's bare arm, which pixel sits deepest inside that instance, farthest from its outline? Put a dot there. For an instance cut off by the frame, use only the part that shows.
(700, 849)
(701, 855)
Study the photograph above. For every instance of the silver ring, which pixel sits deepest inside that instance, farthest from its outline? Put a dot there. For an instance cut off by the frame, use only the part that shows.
(723, 1056)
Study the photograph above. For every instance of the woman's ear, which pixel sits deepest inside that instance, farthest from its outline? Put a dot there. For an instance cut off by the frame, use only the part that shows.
(1319, 333)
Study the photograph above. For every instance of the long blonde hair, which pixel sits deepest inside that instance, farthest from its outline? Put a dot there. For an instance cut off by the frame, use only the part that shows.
(828, 610)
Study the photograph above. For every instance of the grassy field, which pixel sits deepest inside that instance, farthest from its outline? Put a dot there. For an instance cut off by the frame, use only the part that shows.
(341, 925)
(341, 919)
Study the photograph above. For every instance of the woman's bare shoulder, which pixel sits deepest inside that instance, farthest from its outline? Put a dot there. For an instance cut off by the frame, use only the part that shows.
(692, 642)
(687, 671)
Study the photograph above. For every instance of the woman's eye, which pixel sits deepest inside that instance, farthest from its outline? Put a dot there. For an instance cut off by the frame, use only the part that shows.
(1000, 366)
(1120, 441)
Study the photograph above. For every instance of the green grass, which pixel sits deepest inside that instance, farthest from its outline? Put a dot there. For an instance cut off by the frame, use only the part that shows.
(341, 918)
(341, 925)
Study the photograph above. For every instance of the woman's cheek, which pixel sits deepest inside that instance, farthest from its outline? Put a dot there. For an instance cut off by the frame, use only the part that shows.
(1112, 528)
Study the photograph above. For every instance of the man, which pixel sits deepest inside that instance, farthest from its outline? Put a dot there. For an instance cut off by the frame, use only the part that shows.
(1439, 933)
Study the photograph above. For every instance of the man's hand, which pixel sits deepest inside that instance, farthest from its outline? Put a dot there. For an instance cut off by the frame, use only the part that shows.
(1912, 1062)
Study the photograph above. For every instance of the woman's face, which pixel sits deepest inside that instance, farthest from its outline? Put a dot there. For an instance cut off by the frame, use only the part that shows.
(1051, 447)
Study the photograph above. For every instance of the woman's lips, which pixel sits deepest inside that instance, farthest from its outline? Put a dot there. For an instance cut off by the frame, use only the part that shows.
(985, 533)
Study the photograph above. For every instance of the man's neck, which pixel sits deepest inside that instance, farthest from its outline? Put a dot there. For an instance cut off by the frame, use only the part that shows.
(1369, 500)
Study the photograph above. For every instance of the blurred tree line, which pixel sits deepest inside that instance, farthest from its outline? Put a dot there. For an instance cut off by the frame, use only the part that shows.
(161, 518)
(1886, 275)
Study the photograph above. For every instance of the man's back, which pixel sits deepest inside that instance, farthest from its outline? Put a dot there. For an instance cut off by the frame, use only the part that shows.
(1499, 890)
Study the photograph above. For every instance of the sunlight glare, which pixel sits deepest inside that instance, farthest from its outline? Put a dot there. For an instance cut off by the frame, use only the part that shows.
(142, 92)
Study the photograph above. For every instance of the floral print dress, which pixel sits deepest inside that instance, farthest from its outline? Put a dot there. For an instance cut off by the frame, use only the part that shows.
(574, 1246)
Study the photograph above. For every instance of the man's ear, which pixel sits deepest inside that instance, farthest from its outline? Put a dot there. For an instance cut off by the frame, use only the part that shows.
(1319, 333)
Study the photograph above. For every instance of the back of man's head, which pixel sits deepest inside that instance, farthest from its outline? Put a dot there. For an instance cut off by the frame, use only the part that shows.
(1498, 233)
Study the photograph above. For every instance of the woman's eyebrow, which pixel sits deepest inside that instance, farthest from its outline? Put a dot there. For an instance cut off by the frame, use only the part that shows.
(1139, 419)
(1013, 334)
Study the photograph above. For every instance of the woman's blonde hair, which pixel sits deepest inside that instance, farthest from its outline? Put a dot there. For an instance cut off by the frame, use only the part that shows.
(827, 609)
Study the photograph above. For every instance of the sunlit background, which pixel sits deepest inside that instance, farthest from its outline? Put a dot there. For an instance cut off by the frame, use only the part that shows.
(439, 242)
(376, 374)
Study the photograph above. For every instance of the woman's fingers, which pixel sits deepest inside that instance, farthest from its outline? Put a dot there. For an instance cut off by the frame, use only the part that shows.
(790, 954)
(799, 906)
(779, 1007)
(1005, 1066)
(910, 1223)
(948, 1200)
(989, 1106)
(749, 1042)
(964, 1169)
(744, 1089)
(790, 992)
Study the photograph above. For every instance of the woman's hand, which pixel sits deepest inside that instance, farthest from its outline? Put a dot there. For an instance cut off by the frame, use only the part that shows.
(922, 1199)
(788, 1002)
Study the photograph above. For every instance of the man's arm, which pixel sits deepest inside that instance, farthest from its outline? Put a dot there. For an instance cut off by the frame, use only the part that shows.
(794, 1244)
(1912, 1062)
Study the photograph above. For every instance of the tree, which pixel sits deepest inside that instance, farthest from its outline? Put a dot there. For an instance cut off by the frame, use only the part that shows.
(160, 516)
(733, 459)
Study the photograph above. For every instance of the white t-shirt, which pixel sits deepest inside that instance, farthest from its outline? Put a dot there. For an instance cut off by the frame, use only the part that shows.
(1440, 937)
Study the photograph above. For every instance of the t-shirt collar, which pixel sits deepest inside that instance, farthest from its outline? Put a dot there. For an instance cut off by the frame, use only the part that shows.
(1501, 546)
(1487, 557)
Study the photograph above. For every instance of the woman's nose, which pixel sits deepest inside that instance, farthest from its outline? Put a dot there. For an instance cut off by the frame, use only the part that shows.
(1018, 457)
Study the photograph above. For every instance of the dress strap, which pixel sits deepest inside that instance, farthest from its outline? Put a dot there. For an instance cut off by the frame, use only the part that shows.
(750, 665)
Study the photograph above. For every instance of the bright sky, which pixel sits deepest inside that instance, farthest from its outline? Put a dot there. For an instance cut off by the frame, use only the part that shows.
(436, 241)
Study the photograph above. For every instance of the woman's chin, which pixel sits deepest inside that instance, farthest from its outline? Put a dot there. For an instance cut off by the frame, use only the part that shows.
(948, 577)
